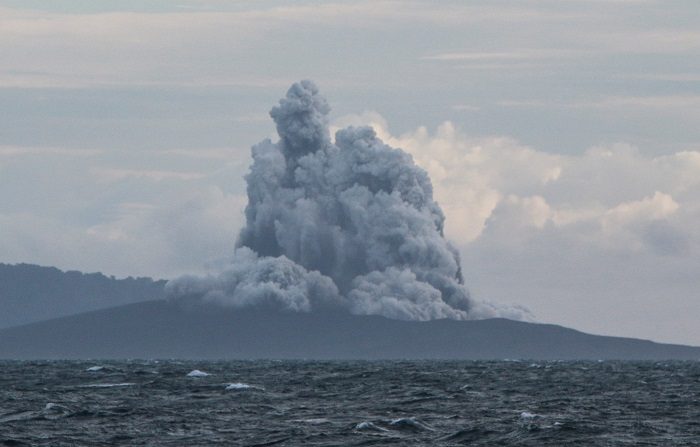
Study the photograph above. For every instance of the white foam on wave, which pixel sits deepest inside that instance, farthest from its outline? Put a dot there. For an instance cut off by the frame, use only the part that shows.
(369, 426)
(238, 386)
(54, 407)
(95, 368)
(197, 373)
(315, 421)
(54, 411)
(528, 415)
(107, 385)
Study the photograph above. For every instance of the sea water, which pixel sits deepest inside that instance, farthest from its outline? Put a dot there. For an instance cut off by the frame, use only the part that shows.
(404, 403)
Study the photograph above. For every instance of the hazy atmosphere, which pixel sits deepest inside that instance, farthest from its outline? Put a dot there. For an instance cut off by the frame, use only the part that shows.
(560, 137)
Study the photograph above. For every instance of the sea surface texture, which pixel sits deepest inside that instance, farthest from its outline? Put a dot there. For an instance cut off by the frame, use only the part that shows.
(290, 403)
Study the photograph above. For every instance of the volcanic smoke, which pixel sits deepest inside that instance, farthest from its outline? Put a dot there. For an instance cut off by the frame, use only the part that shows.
(349, 224)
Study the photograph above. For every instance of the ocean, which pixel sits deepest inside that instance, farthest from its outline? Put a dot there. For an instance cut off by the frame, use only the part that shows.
(310, 403)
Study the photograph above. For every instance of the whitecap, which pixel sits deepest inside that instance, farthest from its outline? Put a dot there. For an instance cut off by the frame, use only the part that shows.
(95, 368)
(528, 415)
(368, 426)
(54, 411)
(314, 421)
(238, 386)
(107, 385)
(197, 373)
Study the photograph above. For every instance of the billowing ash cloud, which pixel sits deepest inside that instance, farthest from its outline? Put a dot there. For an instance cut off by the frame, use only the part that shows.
(350, 224)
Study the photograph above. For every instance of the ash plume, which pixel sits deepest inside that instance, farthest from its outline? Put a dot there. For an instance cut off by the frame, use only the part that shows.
(347, 224)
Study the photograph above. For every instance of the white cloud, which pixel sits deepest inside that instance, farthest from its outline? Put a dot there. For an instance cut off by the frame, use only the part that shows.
(651, 103)
(470, 175)
(609, 187)
(178, 236)
(477, 56)
(465, 108)
(62, 207)
(18, 151)
(512, 56)
(105, 174)
(213, 47)
(194, 48)
(208, 153)
(659, 101)
(658, 206)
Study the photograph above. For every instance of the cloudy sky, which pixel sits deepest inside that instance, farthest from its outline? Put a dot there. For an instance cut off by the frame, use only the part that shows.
(562, 136)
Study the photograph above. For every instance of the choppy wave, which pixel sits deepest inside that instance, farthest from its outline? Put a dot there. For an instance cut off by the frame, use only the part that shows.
(292, 403)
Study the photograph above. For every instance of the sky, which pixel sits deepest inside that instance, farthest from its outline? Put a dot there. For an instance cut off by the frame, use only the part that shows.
(561, 137)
